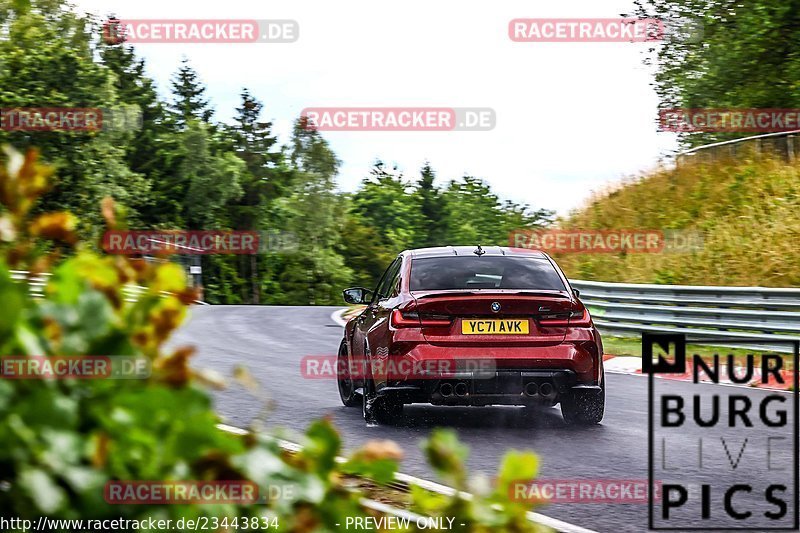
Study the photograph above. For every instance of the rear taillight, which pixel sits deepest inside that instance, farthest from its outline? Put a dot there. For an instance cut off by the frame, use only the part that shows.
(575, 319)
(412, 319)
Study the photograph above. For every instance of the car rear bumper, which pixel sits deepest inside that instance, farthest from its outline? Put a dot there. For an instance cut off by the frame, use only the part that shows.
(503, 387)
(581, 357)
(505, 375)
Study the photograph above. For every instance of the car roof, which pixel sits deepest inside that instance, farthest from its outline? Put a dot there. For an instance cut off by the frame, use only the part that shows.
(445, 251)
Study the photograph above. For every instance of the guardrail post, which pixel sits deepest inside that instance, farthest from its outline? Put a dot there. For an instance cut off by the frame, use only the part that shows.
(790, 148)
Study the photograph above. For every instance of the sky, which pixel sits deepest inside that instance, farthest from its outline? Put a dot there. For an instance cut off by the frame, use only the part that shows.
(571, 117)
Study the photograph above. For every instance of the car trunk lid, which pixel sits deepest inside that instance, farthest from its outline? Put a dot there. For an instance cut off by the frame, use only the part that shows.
(492, 317)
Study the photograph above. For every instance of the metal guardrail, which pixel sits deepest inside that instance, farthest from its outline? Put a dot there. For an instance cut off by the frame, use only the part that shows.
(37, 283)
(782, 143)
(758, 316)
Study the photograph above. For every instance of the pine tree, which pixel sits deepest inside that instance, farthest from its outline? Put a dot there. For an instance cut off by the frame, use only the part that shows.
(151, 151)
(188, 92)
(255, 144)
(264, 180)
(433, 209)
(310, 152)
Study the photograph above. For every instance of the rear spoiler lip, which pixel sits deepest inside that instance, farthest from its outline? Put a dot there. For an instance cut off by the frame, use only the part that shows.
(421, 295)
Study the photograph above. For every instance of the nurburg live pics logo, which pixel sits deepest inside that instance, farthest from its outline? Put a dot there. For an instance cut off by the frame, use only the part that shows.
(726, 457)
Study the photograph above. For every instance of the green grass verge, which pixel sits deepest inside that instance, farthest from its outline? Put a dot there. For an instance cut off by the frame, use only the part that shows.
(632, 347)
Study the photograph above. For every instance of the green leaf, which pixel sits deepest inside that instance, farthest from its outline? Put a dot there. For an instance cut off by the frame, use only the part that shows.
(381, 471)
(322, 446)
(42, 490)
(517, 466)
(446, 454)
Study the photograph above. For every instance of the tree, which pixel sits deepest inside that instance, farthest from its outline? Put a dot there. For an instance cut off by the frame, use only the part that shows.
(311, 153)
(212, 180)
(48, 60)
(476, 215)
(153, 150)
(386, 203)
(364, 249)
(313, 212)
(433, 209)
(726, 54)
(188, 96)
(253, 140)
(266, 178)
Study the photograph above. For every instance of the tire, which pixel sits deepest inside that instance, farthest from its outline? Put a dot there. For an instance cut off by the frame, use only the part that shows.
(347, 388)
(379, 409)
(584, 407)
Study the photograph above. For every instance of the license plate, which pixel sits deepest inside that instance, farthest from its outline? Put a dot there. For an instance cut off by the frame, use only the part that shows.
(494, 327)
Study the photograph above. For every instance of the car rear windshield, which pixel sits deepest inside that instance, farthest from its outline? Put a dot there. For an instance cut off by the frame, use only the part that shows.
(485, 272)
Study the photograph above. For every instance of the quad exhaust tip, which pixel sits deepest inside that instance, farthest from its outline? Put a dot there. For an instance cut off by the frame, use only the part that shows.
(446, 389)
(531, 389)
(461, 389)
(546, 389)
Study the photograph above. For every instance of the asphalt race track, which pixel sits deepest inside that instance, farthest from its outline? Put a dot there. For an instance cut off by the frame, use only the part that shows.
(270, 342)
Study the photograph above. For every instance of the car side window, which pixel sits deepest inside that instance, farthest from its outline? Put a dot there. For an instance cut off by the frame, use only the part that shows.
(394, 284)
(385, 284)
(376, 294)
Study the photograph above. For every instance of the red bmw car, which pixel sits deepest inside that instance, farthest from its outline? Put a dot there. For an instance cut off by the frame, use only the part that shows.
(471, 326)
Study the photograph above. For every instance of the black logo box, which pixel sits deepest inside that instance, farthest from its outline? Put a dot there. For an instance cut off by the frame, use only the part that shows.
(679, 340)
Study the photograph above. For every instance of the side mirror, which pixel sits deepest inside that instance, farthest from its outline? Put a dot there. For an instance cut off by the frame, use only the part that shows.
(576, 292)
(357, 295)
